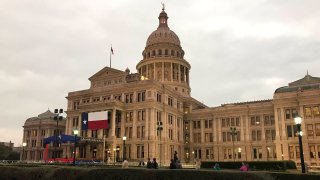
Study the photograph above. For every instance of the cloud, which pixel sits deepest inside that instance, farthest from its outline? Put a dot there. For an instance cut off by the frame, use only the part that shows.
(238, 50)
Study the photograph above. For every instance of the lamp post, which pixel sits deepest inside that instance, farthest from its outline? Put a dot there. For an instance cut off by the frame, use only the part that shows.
(24, 144)
(114, 156)
(124, 138)
(298, 120)
(233, 131)
(159, 129)
(58, 118)
(75, 133)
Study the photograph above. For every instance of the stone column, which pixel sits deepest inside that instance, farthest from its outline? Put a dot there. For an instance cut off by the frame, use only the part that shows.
(113, 123)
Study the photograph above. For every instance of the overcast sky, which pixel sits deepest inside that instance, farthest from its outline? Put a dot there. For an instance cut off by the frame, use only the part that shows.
(239, 50)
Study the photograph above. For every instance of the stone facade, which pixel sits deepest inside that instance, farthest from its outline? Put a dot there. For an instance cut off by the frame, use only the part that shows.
(35, 129)
(160, 94)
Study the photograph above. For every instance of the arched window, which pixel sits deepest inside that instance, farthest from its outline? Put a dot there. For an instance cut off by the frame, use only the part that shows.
(159, 52)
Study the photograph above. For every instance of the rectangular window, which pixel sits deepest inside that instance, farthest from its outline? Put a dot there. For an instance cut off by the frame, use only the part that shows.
(210, 124)
(141, 96)
(294, 113)
(255, 120)
(317, 129)
(76, 105)
(158, 97)
(255, 153)
(94, 133)
(312, 152)
(170, 101)
(223, 122)
(297, 152)
(194, 125)
(272, 120)
(211, 137)
(266, 120)
(206, 125)
(273, 134)
(228, 136)
(237, 122)
(195, 137)
(310, 130)
(254, 135)
(307, 112)
(316, 112)
(258, 135)
(138, 132)
(43, 132)
(206, 137)
(288, 114)
(233, 123)
(289, 131)
(75, 121)
(224, 136)
(198, 125)
(268, 135)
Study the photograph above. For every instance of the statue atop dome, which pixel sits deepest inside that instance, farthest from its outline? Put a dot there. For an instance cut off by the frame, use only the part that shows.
(163, 6)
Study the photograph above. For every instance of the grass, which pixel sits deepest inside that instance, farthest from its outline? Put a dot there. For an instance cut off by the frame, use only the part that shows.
(39, 172)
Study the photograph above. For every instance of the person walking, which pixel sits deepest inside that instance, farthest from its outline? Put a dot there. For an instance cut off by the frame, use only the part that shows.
(198, 164)
(173, 164)
(149, 164)
(155, 164)
(243, 167)
(125, 164)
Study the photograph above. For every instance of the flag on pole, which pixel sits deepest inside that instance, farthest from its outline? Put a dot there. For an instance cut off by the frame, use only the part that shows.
(111, 50)
(84, 121)
(95, 120)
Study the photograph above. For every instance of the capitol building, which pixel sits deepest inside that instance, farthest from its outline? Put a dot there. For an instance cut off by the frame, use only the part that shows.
(154, 110)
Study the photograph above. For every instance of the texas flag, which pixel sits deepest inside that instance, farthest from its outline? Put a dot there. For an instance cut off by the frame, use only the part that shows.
(95, 120)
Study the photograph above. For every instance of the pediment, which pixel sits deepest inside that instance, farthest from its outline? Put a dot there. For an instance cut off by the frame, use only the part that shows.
(307, 80)
(107, 72)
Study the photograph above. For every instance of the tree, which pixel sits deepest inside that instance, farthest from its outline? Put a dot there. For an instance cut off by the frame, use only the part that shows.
(6, 153)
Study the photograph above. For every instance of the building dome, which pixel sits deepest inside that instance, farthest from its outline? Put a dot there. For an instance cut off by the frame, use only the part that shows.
(163, 58)
(163, 34)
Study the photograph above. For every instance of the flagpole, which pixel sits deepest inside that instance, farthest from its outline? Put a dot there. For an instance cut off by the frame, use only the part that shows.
(110, 55)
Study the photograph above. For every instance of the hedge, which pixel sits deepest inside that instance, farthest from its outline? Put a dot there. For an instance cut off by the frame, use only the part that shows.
(253, 165)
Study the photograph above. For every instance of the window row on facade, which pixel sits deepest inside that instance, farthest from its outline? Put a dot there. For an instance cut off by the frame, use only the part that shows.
(163, 53)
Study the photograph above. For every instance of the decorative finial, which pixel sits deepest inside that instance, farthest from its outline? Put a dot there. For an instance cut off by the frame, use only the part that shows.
(307, 72)
(163, 6)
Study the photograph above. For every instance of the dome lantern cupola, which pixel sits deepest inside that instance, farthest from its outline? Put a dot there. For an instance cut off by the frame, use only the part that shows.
(163, 18)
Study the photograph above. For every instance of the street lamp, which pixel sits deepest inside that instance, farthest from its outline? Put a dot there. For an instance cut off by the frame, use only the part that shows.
(124, 138)
(58, 118)
(24, 144)
(233, 131)
(75, 133)
(114, 156)
(159, 129)
(298, 120)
